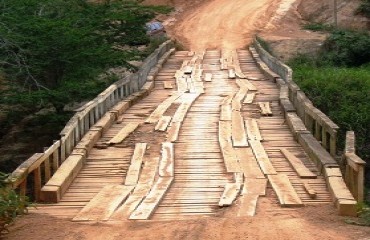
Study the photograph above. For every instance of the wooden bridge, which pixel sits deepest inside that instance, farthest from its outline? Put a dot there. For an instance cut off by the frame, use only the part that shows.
(207, 130)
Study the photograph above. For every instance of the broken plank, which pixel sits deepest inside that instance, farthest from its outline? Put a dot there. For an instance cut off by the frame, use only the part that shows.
(229, 195)
(310, 191)
(123, 133)
(262, 158)
(167, 85)
(151, 202)
(208, 77)
(298, 166)
(252, 190)
(265, 108)
(284, 190)
(173, 131)
(239, 137)
(163, 123)
(228, 153)
(102, 206)
(136, 161)
(253, 131)
(166, 165)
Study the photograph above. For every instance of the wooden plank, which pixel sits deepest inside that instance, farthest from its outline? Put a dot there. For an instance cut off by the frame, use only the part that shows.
(284, 190)
(136, 161)
(163, 123)
(229, 195)
(248, 163)
(253, 131)
(151, 202)
(208, 77)
(167, 85)
(102, 206)
(239, 137)
(123, 133)
(226, 112)
(162, 108)
(252, 190)
(310, 191)
(229, 156)
(167, 163)
(262, 158)
(188, 69)
(265, 108)
(232, 74)
(254, 186)
(249, 98)
(298, 166)
(173, 132)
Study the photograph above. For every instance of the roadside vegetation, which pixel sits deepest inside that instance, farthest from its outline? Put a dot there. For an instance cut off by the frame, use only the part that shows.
(56, 52)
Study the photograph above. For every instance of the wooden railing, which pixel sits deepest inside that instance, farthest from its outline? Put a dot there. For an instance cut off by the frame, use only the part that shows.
(320, 125)
(355, 168)
(40, 167)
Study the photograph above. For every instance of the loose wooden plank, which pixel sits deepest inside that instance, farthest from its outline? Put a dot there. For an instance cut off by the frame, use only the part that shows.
(167, 163)
(253, 131)
(265, 108)
(101, 207)
(254, 186)
(167, 85)
(162, 108)
(229, 156)
(310, 191)
(232, 74)
(262, 158)
(229, 195)
(252, 190)
(248, 163)
(173, 131)
(249, 98)
(299, 167)
(284, 190)
(239, 137)
(150, 203)
(163, 123)
(208, 77)
(136, 161)
(123, 133)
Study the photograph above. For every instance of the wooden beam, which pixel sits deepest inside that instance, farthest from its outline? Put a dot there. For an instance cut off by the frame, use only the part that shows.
(102, 206)
(262, 158)
(136, 162)
(284, 190)
(123, 133)
(298, 166)
(162, 108)
(239, 137)
(253, 130)
(310, 191)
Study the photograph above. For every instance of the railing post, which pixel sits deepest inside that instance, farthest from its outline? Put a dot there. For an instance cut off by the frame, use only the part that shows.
(333, 144)
(37, 183)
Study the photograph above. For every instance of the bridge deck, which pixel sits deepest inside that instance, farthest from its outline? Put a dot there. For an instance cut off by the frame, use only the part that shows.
(200, 173)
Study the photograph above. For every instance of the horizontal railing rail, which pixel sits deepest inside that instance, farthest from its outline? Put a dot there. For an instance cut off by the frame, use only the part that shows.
(320, 125)
(42, 166)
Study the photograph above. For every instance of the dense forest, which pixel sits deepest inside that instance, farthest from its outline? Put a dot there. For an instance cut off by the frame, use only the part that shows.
(54, 55)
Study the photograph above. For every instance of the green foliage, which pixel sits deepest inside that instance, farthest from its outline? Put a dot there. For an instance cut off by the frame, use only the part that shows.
(346, 48)
(340, 92)
(11, 204)
(364, 8)
(318, 27)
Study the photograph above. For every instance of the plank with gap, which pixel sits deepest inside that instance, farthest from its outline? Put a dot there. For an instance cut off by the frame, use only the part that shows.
(253, 131)
(163, 123)
(162, 108)
(123, 133)
(284, 190)
(297, 164)
(136, 161)
(102, 206)
(166, 166)
(239, 137)
(229, 195)
(262, 158)
(151, 202)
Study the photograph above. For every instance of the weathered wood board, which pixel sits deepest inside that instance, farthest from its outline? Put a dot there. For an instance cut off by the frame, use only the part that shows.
(123, 133)
(229, 195)
(299, 167)
(163, 123)
(136, 161)
(283, 188)
(167, 162)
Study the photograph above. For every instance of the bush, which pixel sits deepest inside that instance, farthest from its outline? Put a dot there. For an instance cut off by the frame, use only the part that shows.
(318, 27)
(364, 8)
(11, 204)
(346, 48)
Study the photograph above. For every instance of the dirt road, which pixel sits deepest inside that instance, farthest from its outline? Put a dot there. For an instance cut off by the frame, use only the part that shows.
(226, 24)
